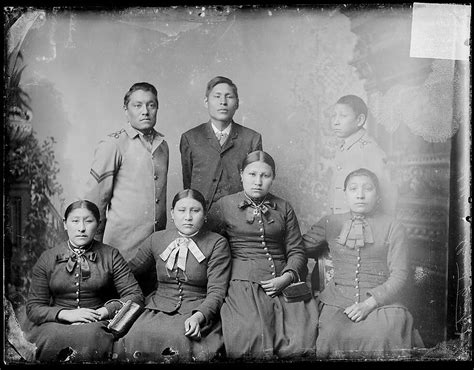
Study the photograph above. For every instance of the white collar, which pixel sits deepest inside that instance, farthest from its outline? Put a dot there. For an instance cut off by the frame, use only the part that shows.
(225, 131)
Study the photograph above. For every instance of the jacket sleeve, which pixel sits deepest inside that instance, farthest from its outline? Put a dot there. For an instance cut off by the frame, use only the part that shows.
(218, 275)
(125, 284)
(186, 161)
(295, 254)
(398, 267)
(315, 240)
(38, 307)
(100, 184)
(144, 260)
(215, 219)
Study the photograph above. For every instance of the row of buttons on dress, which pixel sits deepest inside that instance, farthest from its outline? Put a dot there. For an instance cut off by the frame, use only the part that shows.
(180, 289)
(357, 296)
(77, 275)
(264, 244)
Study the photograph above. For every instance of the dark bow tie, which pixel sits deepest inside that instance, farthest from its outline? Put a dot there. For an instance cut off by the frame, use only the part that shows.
(356, 232)
(253, 209)
(78, 255)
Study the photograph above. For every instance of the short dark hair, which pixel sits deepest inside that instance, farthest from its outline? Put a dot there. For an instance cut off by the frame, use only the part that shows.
(83, 204)
(145, 86)
(221, 80)
(356, 104)
(189, 193)
(259, 156)
(363, 172)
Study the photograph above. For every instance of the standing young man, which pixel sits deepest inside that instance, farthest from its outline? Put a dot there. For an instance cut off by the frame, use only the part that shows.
(211, 153)
(128, 176)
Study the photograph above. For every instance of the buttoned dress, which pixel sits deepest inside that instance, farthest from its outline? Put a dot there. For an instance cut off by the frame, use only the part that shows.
(360, 150)
(158, 334)
(254, 324)
(379, 269)
(212, 169)
(127, 181)
(59, 282)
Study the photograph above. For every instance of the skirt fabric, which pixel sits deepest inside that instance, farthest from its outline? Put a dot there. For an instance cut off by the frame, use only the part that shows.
(159, 337)
(386, 332)
(70, 342)
(257, 326)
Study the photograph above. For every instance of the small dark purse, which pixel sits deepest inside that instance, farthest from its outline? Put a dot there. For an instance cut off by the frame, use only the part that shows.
(124, 318)
(297, 292)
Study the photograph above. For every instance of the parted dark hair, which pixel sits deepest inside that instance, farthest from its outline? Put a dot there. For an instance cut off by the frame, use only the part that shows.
(189, 193)
(83, 204)
(221, 80)
(145, 86)
(356, 104)
(259, 156)
(363, 172)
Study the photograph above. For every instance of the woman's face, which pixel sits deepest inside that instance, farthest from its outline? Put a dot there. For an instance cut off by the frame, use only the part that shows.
(257, 179)
(361, 194)
(81, 226)
(188, 215)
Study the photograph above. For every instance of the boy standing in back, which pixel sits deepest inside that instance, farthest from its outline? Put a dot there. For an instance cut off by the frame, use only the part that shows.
(359, 150)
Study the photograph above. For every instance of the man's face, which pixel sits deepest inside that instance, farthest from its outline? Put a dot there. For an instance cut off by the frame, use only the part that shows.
(222, 103)
(141, 110)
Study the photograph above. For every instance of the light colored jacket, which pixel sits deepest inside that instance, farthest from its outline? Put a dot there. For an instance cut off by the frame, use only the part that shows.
(128, 184)
(360, 150)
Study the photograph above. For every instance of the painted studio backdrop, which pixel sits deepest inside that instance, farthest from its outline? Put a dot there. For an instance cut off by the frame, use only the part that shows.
(290, 66)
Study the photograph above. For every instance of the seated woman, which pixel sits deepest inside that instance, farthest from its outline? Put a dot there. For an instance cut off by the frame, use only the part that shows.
(267, 256)
(181, 319)
(71, 283)
(360, 312)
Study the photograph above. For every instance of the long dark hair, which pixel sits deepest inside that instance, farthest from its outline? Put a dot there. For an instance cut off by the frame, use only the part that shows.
(259, 156)
(189, 193)
(83, 204)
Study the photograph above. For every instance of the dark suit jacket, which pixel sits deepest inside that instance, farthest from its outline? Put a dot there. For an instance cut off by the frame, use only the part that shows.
(210, 169)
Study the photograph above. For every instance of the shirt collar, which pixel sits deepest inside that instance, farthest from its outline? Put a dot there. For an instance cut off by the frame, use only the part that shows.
(132, 132)
(354, 138)
(225, 131)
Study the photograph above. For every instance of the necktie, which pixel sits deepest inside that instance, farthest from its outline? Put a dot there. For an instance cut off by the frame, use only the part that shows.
(355, 232)
(222, 137)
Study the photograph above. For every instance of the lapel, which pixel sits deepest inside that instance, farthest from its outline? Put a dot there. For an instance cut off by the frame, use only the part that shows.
(214, 143)
(211, 137)
(234, 133)
(157, 141)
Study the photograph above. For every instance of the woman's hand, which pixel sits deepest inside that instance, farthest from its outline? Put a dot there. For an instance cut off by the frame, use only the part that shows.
(192, 326)
(79, 315)
(274, 286)
(104, 314)
(359, 311)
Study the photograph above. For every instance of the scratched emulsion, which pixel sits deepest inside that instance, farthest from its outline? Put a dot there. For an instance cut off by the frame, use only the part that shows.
(290, 65)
